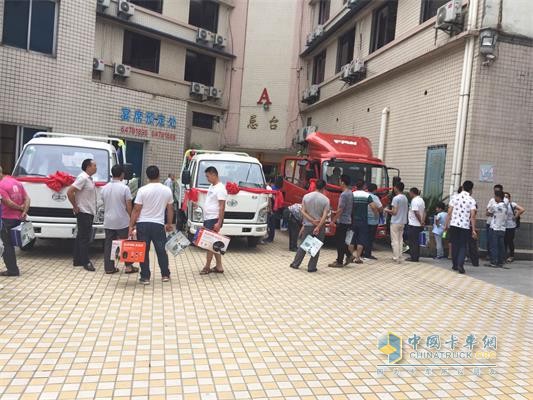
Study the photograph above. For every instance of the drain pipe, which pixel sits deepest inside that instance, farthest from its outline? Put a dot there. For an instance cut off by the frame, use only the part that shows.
(382, 137)
(464, 100)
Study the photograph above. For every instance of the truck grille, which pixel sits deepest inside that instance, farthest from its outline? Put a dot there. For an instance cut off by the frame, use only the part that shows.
(239, 215)
(51, 212)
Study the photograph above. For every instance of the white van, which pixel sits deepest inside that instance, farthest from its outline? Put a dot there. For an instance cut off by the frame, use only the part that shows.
(51, 212)
(246, 212)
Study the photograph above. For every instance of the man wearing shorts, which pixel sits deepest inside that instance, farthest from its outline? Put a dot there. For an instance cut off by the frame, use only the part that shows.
(214, 207)
(361, 202)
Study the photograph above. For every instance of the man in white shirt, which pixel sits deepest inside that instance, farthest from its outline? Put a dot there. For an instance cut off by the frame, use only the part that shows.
(148, 217)
(461, 223)
(83, 196)
(117, 210)
(214, 207)
(496, 188)
(398, 212)
(417, 217)
(498, 211)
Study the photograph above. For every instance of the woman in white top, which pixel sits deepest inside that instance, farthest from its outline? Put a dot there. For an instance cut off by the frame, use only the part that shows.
(514, 211)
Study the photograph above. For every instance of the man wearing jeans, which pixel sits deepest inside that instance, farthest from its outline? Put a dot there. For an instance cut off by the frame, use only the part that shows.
(498, 210)
(461, 218)
(148, 217)
(398, 212)
(82, 195)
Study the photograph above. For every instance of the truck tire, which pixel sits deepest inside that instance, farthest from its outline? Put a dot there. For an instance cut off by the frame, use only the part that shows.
(253, 241)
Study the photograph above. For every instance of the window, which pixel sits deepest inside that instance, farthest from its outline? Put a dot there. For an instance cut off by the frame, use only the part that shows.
(345, 49)
(319, 68)
(384, 25)
(141, 51)
(430, 7)
(204, 14)
(154, 5)
(200, 68)
(201, 120)
(323, 11)
(243, 173)
(30, 24)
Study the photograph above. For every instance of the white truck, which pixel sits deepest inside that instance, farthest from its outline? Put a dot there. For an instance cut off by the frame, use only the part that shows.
(246, 212)
(50, 211)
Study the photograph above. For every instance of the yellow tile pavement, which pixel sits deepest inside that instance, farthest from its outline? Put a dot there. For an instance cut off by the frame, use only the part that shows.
(260, 330)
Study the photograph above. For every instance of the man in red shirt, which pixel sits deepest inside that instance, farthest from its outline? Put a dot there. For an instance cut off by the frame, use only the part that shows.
(15, 205)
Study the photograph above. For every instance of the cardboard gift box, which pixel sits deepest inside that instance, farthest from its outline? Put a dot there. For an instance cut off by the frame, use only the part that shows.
(176, 243)
(311, 245)
(211, 241)
(131, 251)
(22, 235)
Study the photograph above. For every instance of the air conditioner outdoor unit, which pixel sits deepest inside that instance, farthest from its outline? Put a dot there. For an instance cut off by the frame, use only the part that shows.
(214, 93)
(125, 9)
(352, 3)
(311, 94)
(449, 14)
(121, 70)
(346, 73)
(103, 3)
(314, 91)
(219, 41)
(98, 64)
(358, 67)
(310, 38)
(198, 89)
(303, 133)
(203, 36)
(319, 31)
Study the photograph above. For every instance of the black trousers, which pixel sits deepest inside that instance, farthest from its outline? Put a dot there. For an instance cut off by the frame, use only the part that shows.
(9, 256)
(509, 241)
(413, 238)
(473, 251)
(83, 238)
(340, 242)
(110, 235)
(459, 238)
(372, 229)
(294, 230)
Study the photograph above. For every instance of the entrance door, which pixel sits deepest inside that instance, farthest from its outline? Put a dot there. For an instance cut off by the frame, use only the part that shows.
(434, 177)
(135, 156)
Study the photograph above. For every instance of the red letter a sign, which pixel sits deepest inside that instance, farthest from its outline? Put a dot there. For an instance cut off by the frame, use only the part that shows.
(264, 99)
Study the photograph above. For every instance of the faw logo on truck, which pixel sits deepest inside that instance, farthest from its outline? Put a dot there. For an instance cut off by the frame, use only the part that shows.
(348, 142)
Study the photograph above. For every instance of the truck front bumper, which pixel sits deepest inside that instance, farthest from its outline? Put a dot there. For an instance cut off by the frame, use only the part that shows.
(234, 229)
(45, 230)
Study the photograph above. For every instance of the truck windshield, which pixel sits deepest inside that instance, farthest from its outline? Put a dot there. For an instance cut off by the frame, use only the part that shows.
(45, 159)
(332, 170)
(243, 173)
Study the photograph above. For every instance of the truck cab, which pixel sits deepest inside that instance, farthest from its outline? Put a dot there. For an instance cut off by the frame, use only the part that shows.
(47, 153)
(246, 212)
(328, 157)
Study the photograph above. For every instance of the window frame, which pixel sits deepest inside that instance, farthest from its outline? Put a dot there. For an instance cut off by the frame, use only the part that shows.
(319, 57)
(424, 9)
(202, 114)
(340, 42)
(374, 32)
(158, 58)
(211, 79)
(217, 17)
(160, 11)
(53, 53)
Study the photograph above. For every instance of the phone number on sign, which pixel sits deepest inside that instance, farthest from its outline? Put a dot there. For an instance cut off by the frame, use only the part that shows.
(145, 133)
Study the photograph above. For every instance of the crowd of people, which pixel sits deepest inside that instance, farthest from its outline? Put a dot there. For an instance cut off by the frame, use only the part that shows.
(151, 214)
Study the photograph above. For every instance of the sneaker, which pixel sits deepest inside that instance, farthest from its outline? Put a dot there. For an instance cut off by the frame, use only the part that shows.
(372, 258)
(365, 259)
(165, 278)
(491, 265)
(144, 281)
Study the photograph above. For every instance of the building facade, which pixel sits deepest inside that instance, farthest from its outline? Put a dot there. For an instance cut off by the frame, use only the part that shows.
(115, 68)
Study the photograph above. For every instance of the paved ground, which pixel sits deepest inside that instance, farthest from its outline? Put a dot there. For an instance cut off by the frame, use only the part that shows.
(261, 330)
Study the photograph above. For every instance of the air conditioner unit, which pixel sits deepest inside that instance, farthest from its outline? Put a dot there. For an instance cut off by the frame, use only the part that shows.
(311, 94)
(103, 3)
(125, 9)
(310, 38)
(214, 93)
(358, 67)
(314, 91)
(219, 41)
(98, 64)
(319, 31)
(449, 14)
(346, 73)
(203, 36)
(121, 70)
(352, 3)
(303, 133)
(198, 89)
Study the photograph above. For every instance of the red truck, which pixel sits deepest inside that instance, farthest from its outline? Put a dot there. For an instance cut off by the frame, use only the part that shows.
(328, 156)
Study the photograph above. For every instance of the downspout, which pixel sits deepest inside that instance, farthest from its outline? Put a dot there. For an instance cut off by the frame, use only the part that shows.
(464, 100)
(382, 138)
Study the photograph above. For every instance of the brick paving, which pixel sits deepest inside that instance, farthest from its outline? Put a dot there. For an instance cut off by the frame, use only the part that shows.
(260, 330)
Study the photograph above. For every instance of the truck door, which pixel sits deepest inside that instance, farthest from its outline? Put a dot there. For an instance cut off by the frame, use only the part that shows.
(294, 179)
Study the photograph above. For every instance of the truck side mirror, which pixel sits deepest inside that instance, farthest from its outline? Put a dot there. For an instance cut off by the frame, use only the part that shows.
(128, 171)
(186, 177)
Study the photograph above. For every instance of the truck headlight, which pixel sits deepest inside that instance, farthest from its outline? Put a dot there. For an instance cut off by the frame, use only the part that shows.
(262, 215)
(197, 214)
(99, 217)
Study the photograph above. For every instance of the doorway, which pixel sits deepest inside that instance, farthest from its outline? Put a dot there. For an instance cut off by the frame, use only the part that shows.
(434, 176)
(135, 156)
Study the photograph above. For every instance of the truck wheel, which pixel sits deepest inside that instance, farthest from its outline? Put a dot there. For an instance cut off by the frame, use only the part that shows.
(29, 246)
(253, 241)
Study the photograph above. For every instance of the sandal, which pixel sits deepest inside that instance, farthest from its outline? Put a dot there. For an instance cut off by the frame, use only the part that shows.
(113, 271)
(216, 271)
(205, 271)
(131, 270)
